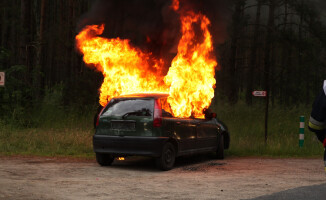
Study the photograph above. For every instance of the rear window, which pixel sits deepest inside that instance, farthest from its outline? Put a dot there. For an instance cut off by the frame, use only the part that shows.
(129, 107)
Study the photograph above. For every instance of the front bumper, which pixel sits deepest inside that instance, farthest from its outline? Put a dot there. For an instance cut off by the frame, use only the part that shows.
(129, 145)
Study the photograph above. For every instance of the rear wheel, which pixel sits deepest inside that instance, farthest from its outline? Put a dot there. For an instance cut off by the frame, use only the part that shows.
(104, 159)
(220, 148)
(166, 160)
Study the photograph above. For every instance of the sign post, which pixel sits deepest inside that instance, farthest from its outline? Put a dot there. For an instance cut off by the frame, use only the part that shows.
(2, 79)
(263, 94)
(259, 93)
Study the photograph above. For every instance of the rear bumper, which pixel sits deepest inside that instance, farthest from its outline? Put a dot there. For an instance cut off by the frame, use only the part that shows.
(129, 145)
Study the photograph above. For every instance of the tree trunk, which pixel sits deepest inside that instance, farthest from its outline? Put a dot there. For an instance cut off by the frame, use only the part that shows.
(253, 56)
(38, 71)
(283, 56)
(272, 75)
(267, 59)
(5, 31)
(25, 39)
(13, 36)
(61, 20)
(70, 49)
(300, 68)
(232, 72)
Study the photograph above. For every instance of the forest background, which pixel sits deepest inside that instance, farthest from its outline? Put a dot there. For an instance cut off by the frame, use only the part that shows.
(50, 95)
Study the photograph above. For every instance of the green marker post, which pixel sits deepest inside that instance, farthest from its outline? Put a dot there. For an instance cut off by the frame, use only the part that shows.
(301, 131)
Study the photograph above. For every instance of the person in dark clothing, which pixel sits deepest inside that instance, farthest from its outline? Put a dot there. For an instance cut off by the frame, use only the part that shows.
(317, 121)
(318, 116)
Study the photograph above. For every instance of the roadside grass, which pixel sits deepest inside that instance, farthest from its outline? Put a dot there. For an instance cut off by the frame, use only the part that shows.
(54, 131)
(247, 130)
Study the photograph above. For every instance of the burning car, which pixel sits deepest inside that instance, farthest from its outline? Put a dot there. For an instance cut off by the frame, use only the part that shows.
(163, 115)
(141, 124)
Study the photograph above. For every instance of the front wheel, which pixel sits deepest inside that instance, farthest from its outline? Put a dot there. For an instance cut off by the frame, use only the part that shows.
(104, 159)
(166, 160)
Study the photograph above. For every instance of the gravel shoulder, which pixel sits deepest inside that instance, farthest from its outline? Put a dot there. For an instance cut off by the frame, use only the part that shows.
(196, 177)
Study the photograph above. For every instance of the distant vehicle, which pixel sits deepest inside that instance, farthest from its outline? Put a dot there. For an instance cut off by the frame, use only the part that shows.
(137, 124)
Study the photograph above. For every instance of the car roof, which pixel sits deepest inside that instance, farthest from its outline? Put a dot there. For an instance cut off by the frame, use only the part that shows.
(144, 95)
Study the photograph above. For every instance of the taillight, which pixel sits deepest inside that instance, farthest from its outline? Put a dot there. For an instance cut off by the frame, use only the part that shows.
(157, 114)
(98, 116)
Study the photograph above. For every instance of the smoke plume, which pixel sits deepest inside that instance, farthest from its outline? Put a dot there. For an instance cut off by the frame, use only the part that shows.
(152, 25)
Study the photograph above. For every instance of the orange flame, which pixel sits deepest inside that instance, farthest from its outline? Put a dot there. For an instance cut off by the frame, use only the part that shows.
(190, 80)
(120, 158)
(191, 75)
(126, 69)
(175, 5)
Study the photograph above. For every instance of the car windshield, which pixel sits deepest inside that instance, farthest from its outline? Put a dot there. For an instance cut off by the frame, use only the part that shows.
(128, 107)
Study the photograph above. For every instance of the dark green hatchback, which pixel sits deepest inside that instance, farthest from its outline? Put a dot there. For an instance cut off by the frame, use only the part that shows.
(137, 124)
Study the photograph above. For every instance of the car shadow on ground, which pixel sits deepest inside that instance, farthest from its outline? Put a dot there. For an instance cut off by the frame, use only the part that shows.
(188, 163)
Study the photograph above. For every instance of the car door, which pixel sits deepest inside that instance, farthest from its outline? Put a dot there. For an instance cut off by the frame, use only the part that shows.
(185, 133)
(206, 134)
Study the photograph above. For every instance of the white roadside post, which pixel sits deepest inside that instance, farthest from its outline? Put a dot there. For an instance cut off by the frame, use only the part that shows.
(301, 131)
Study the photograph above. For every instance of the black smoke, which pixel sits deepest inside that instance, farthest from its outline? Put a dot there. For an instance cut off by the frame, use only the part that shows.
(151, 24)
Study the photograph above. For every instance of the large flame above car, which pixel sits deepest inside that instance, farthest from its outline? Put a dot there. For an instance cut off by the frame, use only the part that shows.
(126, 69)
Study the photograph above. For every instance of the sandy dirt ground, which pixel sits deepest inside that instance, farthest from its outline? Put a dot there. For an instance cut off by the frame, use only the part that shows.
(197, 177)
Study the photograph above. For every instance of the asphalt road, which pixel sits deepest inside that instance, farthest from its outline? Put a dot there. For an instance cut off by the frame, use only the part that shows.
(198, 177)
(314, 192)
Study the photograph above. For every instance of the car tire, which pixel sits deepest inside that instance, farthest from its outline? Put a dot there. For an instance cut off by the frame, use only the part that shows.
(166, 160)
(104, 159)
(220, 148)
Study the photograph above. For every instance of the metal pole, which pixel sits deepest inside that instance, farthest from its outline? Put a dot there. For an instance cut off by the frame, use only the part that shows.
(301, 131)
(266, 117)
